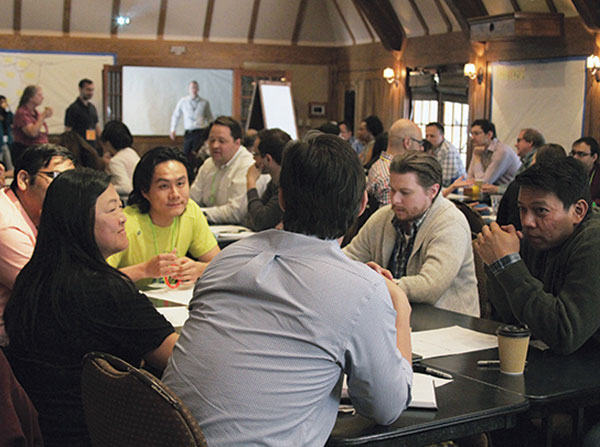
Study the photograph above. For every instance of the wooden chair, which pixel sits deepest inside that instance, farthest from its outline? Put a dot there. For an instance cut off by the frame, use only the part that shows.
(126, 406)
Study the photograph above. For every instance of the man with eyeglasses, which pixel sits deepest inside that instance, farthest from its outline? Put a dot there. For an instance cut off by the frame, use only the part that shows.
(404, 135)
(21, 206)
(586, 151)
(492, 162)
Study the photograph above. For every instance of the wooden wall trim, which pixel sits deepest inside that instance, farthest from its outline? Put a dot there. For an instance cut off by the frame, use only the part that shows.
(210, 7)
(66, 18)
(253, 20)
(162, 19)
(157, 53)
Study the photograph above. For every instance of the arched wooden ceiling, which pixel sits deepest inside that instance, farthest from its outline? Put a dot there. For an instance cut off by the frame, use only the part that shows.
(283, 22)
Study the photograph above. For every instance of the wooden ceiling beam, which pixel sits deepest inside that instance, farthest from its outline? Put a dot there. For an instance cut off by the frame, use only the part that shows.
(344, 21)
(17, 8)
(444, 15)
(551, 6)
(589, 10)
(114, 29)
(466, 9)
(384, 20)
(210, 7)
(299, 21)
(66, 19)
(253, 20)
(515, 5)
(365, 23)
(419, 16)
(162, 19)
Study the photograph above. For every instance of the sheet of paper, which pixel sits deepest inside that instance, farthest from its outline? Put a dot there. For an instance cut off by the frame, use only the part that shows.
(450, 340)
(175, 315)
(180, 295)
(230, 232)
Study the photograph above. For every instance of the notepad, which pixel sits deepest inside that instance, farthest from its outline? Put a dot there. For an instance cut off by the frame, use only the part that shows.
(450, 340)
(175, 315)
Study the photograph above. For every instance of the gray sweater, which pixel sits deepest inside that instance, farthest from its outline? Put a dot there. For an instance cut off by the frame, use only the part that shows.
(440, 269)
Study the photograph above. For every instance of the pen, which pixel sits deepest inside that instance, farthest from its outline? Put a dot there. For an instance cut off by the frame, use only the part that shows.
(431, 372)
(491, 363)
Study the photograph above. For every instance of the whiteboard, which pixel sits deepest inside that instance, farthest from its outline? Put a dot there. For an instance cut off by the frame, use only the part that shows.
(150, 95)
(57, 73)
(547, 95)
(278, 107)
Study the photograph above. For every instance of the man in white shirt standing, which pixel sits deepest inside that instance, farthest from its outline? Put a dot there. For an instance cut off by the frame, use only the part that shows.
(220, 186)
(196, 117)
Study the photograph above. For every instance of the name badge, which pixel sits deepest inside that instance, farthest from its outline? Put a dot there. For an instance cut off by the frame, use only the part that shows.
(90, 134)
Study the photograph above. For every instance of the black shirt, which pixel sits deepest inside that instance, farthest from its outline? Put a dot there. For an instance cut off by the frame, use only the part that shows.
(102, 316)
(80, 117)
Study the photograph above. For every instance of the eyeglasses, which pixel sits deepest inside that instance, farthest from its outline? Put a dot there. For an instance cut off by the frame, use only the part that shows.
(580, 154)
(256, 154)
(474, 133)
(419, 142)
(50, 174)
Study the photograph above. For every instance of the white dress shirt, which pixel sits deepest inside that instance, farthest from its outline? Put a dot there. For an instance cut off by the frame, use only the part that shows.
(196, 113)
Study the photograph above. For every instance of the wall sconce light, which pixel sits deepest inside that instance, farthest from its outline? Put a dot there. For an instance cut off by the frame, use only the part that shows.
(390, 76)
(472, 73)
(593, 64)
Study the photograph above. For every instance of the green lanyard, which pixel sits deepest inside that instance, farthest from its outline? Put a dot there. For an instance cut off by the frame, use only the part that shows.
(174, 225)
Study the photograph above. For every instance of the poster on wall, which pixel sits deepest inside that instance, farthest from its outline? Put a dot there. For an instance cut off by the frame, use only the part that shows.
(57, 73)
(547, 95)
(150, 95)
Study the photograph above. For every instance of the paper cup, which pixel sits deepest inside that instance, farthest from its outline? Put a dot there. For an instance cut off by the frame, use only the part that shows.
(513, 342)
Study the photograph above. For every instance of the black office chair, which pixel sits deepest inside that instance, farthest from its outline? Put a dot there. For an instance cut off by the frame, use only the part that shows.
(372, 206)
(128, 407)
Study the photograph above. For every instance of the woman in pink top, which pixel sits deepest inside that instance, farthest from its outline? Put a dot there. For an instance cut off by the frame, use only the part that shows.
(29, 126)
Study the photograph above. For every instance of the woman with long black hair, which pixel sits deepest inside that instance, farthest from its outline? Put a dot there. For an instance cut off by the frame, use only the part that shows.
(68, 301)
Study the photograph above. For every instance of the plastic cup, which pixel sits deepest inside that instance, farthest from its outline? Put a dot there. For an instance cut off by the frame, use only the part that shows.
(513, 341)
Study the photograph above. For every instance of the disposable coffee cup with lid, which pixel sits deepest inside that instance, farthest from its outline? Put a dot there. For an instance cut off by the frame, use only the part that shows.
(513, 341)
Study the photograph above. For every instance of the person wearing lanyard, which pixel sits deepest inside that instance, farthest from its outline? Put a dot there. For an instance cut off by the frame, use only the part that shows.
(220, 186)
(586, 151)
(163, 225)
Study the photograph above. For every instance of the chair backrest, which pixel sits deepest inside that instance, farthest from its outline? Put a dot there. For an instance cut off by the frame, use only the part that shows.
(475, 221)
(484, 305)
(126, 406)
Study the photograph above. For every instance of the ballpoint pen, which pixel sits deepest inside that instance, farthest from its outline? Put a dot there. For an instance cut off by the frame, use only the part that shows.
(432, 372)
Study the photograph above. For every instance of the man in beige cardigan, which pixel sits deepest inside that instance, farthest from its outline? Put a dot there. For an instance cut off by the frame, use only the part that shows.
(422, 239)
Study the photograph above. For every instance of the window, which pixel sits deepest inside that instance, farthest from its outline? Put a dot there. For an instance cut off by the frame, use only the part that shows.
(455, 120)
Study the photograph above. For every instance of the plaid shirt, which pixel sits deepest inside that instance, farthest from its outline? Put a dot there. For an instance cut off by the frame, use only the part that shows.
(449, 158)
(378, 182)
(403, 246)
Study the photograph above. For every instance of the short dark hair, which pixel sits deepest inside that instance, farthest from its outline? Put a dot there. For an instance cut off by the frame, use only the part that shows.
(117, 134)
(549, 152)
(272, 142)
(590, 141)
(84, 82)
(374, 125)
(534, 137)
(425, 166)
(565, 177)
(322, 183)
(345, 123)
(37, 157)
(144, 171)
(227, 121)
(438, 125)
(330, 128)
(486, 126)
